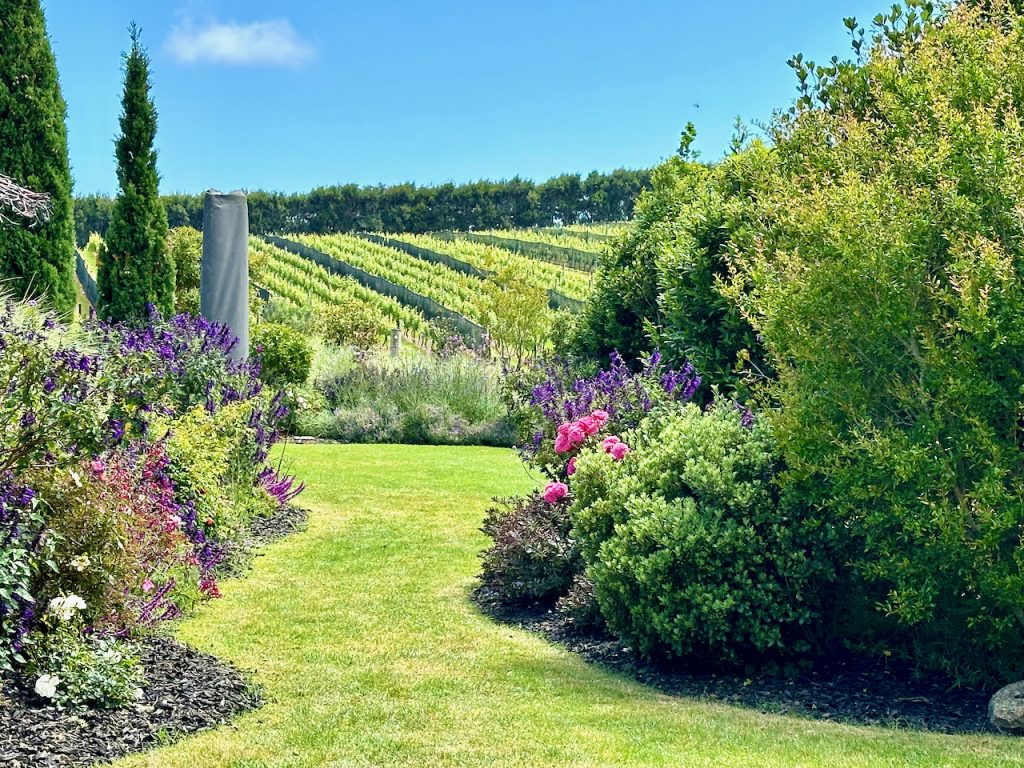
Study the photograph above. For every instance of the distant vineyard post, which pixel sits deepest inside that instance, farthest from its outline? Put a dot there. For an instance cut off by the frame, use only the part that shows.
(224, 278)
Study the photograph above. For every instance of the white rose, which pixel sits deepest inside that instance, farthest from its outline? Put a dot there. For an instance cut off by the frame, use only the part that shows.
(46, 686)
(65, 607)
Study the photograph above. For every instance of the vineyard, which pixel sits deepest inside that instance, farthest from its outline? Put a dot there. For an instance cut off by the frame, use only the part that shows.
(406, 272)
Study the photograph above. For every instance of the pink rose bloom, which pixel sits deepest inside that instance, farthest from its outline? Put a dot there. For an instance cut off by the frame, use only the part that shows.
(570, 468)
(147, 586)
(562, 444)
(555, 492)
(619, 451)
(576, 435)
(591, 426)
(608, 442)
(563, 429)
(600, 416)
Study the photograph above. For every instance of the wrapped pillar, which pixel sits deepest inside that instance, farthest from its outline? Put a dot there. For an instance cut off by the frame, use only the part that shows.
(224, 278)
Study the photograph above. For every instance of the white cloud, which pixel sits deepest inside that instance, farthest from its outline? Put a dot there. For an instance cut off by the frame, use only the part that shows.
(229, 42)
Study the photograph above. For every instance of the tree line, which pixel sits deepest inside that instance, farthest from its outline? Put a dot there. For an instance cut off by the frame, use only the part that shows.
(569, 198)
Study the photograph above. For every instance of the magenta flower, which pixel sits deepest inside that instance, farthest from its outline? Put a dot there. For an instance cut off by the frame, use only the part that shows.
(97, 466)
(619, 451)
(562, 444)
(555, 492)
(570, 468)
(609, 442)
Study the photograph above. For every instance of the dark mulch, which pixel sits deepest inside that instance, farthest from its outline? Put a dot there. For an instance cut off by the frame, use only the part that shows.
(185, 691)
(849, 689)
(285, 522)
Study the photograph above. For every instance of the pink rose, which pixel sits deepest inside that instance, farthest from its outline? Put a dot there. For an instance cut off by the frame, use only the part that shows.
(591, 426)
(555, 492)
(576, 435)
(563, 429)
(570, 468)
(619, 451)
(608, 442)
(600, 416)
(562, 444)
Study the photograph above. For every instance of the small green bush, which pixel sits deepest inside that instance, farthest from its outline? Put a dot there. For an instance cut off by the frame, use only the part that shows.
(687, 545)
(74, 670)
(285, 355)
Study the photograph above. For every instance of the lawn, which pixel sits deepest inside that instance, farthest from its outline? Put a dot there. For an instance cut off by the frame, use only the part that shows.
(370, 654)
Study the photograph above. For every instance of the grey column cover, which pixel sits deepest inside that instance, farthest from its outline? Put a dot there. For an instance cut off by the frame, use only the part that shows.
(224, 281)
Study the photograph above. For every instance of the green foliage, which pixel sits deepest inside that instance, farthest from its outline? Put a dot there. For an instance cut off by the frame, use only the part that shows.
(185, 249)
(409, 208)
(532, 556)
(135, 268)
(349, 323)
(888, 289)
(285, 355)
(707, 210)
(514, 310)
(212, 457)
(35, 259)
(661, 281)
(688, 547)
(86, 671)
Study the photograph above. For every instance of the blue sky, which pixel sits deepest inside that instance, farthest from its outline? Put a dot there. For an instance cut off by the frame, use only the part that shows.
(288, 96)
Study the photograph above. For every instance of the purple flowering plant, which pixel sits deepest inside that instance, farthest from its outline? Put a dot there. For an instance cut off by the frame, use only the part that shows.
(77, 411)
(552, 396)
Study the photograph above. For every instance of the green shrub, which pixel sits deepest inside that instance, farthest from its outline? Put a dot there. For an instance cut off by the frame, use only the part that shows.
(348, 324)
(212, 456)
(687, 545)
(661, 281)
(73, 670)
(285, 355)
(532, 556)
(889, 289)
(185, 247)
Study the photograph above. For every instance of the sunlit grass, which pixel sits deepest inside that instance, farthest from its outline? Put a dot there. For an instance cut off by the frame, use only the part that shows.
(370, 653)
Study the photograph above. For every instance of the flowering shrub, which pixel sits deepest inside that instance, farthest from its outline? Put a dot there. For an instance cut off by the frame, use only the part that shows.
(71, 669)
(561, 413)
(131, 458)
(534, 555)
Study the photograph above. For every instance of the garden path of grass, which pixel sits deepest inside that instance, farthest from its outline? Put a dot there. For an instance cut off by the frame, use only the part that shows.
(370, 653)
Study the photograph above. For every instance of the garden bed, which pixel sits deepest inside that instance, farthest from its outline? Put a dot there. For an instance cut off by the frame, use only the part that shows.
(185, 692)
(851, 690)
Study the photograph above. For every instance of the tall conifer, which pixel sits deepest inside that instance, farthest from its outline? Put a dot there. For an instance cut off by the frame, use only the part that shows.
(35, 258)
(135, 268)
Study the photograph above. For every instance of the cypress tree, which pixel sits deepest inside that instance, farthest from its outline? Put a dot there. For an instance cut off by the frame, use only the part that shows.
(135, 268)
(35, 258)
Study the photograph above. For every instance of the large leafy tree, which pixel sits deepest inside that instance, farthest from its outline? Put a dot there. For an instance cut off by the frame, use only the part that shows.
(136, 269)
(35, 257)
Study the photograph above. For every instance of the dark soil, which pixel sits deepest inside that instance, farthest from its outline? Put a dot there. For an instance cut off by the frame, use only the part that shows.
(848, 689)
(184, 692)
